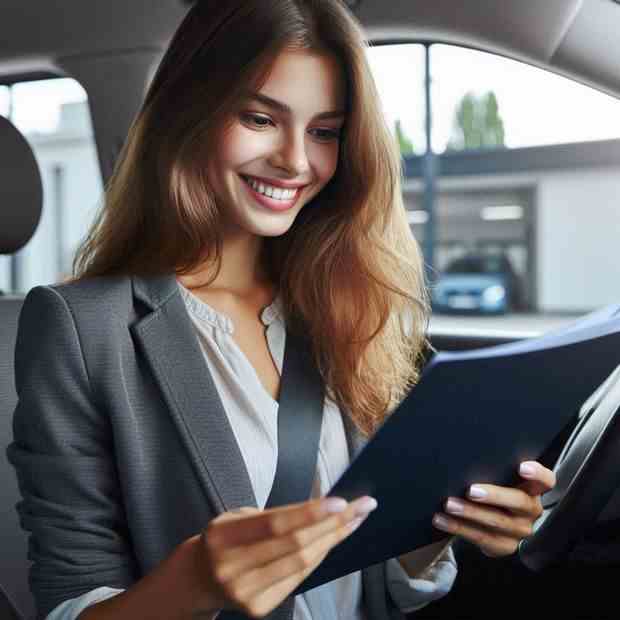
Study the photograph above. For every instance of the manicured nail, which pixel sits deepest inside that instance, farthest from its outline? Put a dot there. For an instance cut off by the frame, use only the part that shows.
(365, 505)
(477, 492)
(353, 525)
(454, 506)
(441, 522)
(335, 504)
(527, 469)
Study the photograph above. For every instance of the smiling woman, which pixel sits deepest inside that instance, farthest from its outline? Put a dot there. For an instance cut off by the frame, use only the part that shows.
(350, 214)
(257, 196)
(274, 145)
(256, 203)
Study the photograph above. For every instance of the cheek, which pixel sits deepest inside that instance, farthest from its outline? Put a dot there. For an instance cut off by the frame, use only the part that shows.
(326, 163)
(239, 147)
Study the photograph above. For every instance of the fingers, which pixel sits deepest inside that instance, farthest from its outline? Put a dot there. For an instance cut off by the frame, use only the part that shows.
(490, 517)
(298, 539)
(524, 499)
(264, 524)
(233, 515)
(538, 479)
(491, 543)
(302, 558)
(497, 518)
(514, 500)
(239, 559)
(262, 602)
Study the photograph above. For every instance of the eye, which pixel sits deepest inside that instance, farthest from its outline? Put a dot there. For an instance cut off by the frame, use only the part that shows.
(327, 134)
(256, 120)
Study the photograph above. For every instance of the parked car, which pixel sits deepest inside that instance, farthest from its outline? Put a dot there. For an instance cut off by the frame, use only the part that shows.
(478, 283)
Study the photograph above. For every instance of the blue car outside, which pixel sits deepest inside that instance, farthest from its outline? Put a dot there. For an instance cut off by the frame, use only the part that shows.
(470, 292)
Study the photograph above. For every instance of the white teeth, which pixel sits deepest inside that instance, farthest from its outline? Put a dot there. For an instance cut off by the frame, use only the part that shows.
(277, 193)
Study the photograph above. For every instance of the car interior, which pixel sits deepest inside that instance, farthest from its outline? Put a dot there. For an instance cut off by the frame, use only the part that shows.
(112, 48)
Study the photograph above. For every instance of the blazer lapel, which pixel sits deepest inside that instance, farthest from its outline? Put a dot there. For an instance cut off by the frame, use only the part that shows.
(169, 343)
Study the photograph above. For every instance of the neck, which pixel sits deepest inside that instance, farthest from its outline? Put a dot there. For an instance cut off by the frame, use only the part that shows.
(241, 272)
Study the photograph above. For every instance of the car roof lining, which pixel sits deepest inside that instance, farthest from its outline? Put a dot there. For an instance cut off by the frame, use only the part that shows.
(563, 36)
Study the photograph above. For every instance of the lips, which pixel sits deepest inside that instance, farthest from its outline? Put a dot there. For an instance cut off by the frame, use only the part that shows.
(271, 203)
(275, 183)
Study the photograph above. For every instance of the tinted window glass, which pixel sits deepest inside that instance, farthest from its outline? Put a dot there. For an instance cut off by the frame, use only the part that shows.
(484, 100)
(398, 71)
(551, 218)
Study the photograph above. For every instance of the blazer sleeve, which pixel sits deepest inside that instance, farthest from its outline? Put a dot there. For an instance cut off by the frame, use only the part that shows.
(62, 452)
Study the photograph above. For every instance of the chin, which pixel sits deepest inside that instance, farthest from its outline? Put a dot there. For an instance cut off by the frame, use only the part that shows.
(272, 231)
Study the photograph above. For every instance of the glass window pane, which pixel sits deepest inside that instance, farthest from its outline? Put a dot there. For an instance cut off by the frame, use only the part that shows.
(54, 117)
(398, 71)
(550, 225)
(535, 107)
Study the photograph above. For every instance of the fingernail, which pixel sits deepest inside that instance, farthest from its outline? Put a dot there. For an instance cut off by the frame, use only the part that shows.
(527, 469)
(454, 506)
(365, 505)
(477, 492)
(335, 504)
(353, 525)
(441, 522)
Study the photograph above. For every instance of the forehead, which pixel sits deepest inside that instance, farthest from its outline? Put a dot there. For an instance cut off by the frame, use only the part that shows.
(308, 82)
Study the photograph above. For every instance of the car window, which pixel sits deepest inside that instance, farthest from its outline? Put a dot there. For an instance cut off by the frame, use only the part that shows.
(523, 169)
(482, 100)
(398, 71)
(54, 117)
(477, 264)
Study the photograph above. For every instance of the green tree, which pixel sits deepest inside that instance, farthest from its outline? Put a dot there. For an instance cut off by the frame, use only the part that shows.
(404, 143)
(477, 123)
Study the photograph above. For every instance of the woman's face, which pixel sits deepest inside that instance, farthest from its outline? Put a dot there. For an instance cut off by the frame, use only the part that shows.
(282, 147)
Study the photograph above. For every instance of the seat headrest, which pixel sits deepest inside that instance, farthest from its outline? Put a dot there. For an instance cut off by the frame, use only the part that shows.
(21, 189)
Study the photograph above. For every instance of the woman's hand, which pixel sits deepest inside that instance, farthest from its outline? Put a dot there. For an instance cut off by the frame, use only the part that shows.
(253, 559)
(497, 518)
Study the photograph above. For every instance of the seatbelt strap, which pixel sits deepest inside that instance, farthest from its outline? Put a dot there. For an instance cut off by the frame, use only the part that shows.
(300, 416)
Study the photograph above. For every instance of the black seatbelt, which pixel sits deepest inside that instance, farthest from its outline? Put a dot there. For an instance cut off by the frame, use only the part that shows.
(300, 415)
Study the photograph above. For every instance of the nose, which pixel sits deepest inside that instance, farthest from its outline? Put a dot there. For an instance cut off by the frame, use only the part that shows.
(290, 154)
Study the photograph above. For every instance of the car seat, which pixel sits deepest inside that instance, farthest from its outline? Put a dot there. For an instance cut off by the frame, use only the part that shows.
(21, 199)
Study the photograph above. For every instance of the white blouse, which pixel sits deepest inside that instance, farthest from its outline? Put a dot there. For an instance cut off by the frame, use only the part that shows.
(253, 416)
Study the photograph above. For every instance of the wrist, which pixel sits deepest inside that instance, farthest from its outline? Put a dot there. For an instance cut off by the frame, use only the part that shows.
(201, 602)
(173, 590)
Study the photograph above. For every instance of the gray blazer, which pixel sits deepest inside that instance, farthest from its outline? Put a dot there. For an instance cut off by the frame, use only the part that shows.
(121, 444)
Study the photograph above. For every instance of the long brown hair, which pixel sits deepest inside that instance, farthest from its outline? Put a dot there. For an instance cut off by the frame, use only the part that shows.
(348, 269)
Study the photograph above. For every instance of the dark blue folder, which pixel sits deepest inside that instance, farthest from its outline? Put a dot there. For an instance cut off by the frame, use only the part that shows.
(473, 417)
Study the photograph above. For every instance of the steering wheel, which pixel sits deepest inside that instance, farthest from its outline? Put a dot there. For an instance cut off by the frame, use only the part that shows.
(587, 475)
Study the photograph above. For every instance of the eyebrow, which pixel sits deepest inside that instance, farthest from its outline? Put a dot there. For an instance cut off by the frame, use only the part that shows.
(278, 105)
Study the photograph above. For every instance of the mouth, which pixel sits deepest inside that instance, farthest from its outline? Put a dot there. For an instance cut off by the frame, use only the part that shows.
(274, 198)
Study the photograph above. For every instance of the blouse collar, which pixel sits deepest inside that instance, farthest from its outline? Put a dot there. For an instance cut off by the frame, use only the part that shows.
(203, 311)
